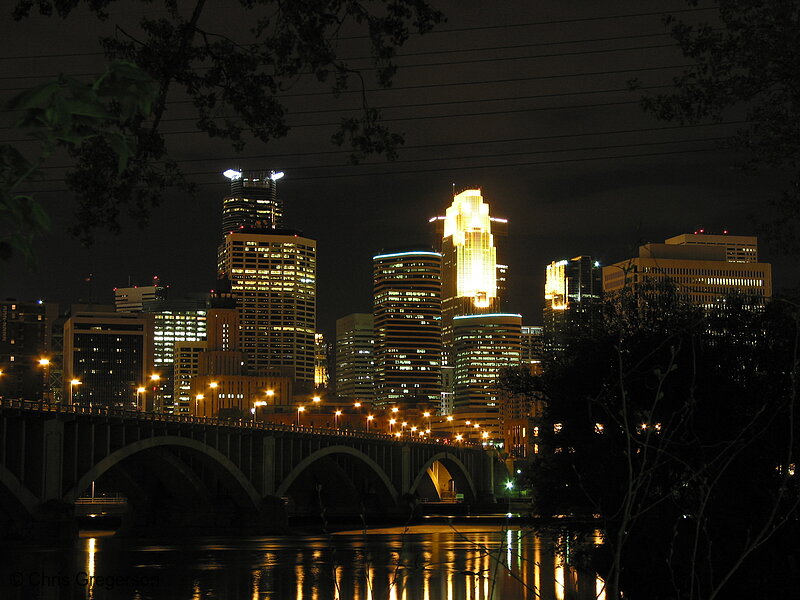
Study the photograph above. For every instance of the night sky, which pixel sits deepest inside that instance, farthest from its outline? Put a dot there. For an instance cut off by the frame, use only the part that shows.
(525, 100)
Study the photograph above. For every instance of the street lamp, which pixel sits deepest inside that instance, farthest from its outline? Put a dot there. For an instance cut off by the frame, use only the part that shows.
(459, 437)
(72, 385)
(427, 415)
(369, 418)
(45, 364)
(299, 410)
(213, 385)
(256, 404)
(358, 406)
(403, 426)
(140, 391)
(197, 399)
(453, 425)
(155, 378)
(391, 423)
(336, 416)
(317, 400)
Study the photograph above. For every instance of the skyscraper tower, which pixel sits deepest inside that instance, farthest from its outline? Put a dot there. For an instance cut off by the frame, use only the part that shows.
(573, 291)
(273, 276)
(469, 260)
(408, 334)
(253, 201)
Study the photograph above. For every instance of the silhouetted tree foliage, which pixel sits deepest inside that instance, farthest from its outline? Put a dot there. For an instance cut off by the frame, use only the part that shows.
(234, 86)
(745, 59)
(678, 427)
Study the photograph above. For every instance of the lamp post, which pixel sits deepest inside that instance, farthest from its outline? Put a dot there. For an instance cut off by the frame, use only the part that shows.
(357, 405)
(453, 426)
(256, 404)
(299, 410)
(391, 424)
(213, 385)
(45, 364)
(197, 399)
(369, 418)
(427, 415)
(317, 402)
(155, 378)
(140, 391)
(336, 416)
(403, 426)
(72, 385)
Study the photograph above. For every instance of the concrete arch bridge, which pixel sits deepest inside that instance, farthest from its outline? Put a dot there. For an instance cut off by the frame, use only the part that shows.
(178, 471)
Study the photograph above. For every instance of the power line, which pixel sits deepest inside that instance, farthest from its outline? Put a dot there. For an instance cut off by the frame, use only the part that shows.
(404, 67)
(445, 169)
(439, 31)
(446, 144)
(602, 147)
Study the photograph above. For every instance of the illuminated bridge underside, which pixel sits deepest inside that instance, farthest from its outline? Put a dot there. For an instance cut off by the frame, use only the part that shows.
(183, 472)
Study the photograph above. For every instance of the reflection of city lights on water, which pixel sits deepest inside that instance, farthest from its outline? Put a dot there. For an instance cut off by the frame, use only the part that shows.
(91, 549)
(559, 577)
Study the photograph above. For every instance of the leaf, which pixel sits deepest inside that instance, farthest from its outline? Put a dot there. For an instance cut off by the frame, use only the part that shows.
(36, 97)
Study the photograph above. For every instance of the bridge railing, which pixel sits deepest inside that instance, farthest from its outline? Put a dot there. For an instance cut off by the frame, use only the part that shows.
(52, 407)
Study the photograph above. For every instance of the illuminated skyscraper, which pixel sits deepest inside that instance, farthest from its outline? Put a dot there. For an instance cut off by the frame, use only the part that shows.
(273, 278)
(355, 358)
(408, 327)
(572, 295)
(253, 201)
(483, 345)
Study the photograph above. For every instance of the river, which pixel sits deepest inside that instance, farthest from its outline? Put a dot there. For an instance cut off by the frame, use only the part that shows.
(421, 562)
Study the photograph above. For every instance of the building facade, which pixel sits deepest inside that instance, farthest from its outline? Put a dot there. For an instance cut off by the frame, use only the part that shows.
(573, 292)
(355, 358)
(272, 277)
(407, 313)
(705, 269)
(110, 354)
(26, 341)
(253, 202)
(483, 345)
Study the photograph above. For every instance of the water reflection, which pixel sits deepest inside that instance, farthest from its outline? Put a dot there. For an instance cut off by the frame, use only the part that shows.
(425, 562)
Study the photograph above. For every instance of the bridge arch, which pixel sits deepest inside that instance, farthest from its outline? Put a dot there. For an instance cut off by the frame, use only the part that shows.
(454, 466)
(330, 451)
(223, 464)
(15, 498)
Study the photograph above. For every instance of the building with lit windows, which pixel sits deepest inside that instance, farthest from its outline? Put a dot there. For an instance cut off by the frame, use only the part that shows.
(220, 385)
(273, 275)
(355, 358)
(469, 259)
(408, 328)
(573, 294)
(26, 337)
(134, 298)
(173, 322)
(483, 345)
(111, 355)
(253, 201)
(321, 361)
(705, 268)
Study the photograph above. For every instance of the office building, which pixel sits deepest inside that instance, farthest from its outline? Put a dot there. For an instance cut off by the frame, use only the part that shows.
(222, 386)
(321, 361)
(253, 202)
(355, 358)
(407, 321)
(483, 345)
(705, 268)
(26, 342)
(134, 298)
(572, 300)
(111, 355)
(273, 279)
(469, 259)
